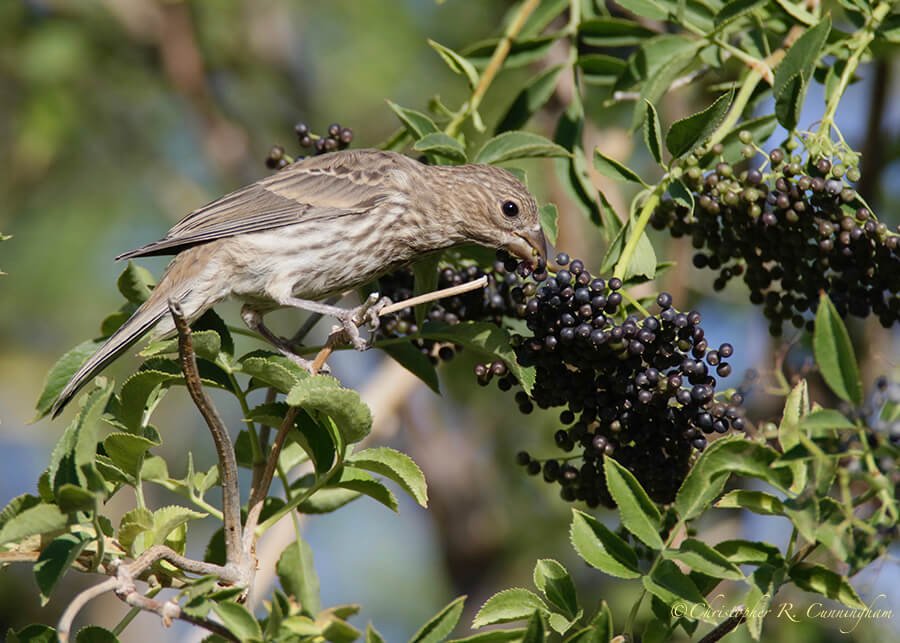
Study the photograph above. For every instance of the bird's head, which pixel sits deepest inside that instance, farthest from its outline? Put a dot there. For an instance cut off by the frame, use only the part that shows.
(496, 210)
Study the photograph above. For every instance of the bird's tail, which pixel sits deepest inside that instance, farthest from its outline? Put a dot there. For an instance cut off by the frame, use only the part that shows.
(144, 318)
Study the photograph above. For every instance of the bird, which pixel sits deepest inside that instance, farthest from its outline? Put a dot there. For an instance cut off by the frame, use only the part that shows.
(318, 228)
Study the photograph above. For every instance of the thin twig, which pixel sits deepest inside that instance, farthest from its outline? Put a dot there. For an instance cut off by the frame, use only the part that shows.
(68, 616)
(678, 82)
(436, 294)
(726, 626)
(231, 499)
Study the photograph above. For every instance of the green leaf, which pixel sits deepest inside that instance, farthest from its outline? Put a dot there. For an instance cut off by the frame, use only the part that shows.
(298, 576)
(549, 221)
(600, 69)
(613, 169)
(760, 129)
(643, 261)
(441, 625)
(821, 421)
(800, 58)
(601, 548)
(56, 558)
(168, 519)
(326, 500)
(514, 604)
(439, 144)
(133, 524)
(821, 580)
(639, 515)
(95, 634)
(416, 123)
(796, 405)
(396, 466)
(522, 51)
(736, 9)
(681, 194)
(672, 586)
(746, 552)
(518, 145)
(613, 32)
(457, 63)
(533, 96)
(334, 628)
(482, 338)
(688, 133)
(136, 392)
(127, 451)
(662, 70)
(702, 558)
(756, 501)
(797, 11)
(71, 498)
(645, 9)
(554, 581)
(206, 343)
(834, 353)
(61, 373)
(536, 632)
(727, 455)
(135, 283)
(653, 132)
(494, 636)
(33, 634)
(37, 520)
(238, 620)
(789, 102)
(322, 394)
(362, 482)
(413, 360)
(372, 635)
(273, 370)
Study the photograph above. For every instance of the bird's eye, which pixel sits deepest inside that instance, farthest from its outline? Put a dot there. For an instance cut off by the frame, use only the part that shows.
(510, 209)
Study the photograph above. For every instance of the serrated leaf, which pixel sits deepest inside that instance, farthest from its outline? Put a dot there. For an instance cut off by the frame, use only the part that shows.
(820, 421)
(238, 620)
(549, 221)
(55, 559)
(321, 394)
(639, 515)
(600, 69)
(95, 634)
(135, 283)
(601, 548)
(274, 370)
(167, 519)
(396, 466)
(834, 353)
(671, 586)
(456, 63)
(514, 604)
(37, 520)
(645, 8)
(681, 194)
(800, 58)
(688, 133)
(536, 632)
(797, 11)
(70, 498)
(517, 145)
(789, 102)
(135, 393)
(532, 97)
(482, 338)
(746, 552)
(439, 144)
(61, 373)
(494, 636)
(735, 9)
(522, 51)
(725, 456)
(643, 261)
(613, 32)
(298, 576)
(658, 80)
(702, 558)
(206, 343)
(821, 580)
(127, 451)
(554, 581)
(440, 626)
(653, 132)
(756, 501)
(417, 123)
(362, 482)
(610, 167)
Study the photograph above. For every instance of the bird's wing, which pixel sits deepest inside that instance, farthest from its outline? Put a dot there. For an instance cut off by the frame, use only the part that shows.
(316, 188)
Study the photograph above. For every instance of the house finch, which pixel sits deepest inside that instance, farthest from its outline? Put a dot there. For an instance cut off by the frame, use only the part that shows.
(320, 227)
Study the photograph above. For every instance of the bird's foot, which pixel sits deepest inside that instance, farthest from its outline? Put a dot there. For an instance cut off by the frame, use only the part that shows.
(366, 314)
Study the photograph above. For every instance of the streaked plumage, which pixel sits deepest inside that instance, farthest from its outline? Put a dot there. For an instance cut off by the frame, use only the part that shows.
(317, 228)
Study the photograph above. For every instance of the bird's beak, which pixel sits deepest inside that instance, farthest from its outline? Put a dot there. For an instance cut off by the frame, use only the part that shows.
(530, 245)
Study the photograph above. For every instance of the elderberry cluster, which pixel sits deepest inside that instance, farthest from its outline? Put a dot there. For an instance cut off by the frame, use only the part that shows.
(337, 138)
(791, 229)
(638, 389)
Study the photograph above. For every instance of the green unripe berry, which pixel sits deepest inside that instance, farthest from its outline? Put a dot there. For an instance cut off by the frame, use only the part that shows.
(853, 174)
(748, 151)
(745, 136)
(837, 171)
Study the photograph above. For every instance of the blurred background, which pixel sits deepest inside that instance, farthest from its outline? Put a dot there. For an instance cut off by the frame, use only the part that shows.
(117, 117)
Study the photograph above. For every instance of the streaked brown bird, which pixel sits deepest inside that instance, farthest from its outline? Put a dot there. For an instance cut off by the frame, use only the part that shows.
(320, 227)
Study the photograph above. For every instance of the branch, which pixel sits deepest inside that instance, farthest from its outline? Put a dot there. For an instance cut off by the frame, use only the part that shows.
(231, 499)
(726, 626)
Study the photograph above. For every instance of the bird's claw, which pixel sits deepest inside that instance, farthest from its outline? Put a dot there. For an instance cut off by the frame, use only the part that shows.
(366, 314)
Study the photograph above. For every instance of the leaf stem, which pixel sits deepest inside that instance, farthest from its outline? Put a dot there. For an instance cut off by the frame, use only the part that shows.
(493, 66)
(637, 230)
(737, 106)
